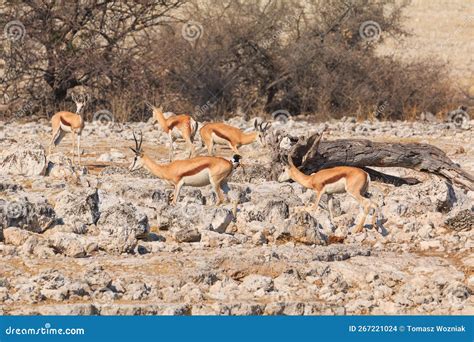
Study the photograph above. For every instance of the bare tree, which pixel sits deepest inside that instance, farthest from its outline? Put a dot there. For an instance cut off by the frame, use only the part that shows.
(95, 43)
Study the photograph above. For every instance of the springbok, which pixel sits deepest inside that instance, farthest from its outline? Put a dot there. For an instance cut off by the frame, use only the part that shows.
(221, 133)
(339, 179)
(67, 122)
(176, 126)
(196, 172)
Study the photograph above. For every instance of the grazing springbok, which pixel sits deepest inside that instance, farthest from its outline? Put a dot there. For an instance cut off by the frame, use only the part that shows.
(339, 179)
(221, 133)
(67, 122)
(196, 172)
(176, 126)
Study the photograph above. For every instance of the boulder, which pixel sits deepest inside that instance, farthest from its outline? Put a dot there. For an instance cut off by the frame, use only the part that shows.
(16, 236)
(270, 203)
(137, 291)
(30, 212)
(191, 216)
(214, 240)
(111, 156)
(97, 278)
(276, 211)
(461, 220)
(78, 207)
(456, 292)
(36, 245)
(60, 166)
(303, 228)
(120, 226)
(219, 219)
(256, 282)
(70, 244)
(26, 158)
(413, 200)
(186, 235)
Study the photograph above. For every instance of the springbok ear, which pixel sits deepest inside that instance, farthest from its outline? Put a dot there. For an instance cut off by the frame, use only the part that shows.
(255, 124)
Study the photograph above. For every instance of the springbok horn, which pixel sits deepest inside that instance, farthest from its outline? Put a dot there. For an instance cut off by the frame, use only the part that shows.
(136, 142)
(141, 140)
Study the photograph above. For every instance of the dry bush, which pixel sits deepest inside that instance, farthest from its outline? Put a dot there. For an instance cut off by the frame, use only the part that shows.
(248, 58)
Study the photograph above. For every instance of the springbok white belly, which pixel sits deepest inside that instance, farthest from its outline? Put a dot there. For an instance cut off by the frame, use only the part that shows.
(219, 140)
(65, 128)
(202, 178)
(336, 187)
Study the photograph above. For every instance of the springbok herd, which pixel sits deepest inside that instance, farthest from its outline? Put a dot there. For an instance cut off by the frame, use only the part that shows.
(198, 171)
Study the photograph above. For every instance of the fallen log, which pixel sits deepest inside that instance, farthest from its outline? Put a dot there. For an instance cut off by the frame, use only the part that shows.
(313, 155)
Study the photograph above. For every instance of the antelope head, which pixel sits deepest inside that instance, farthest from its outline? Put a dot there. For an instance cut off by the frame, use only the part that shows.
(236, 160)
(262, 129)
(137, 162)
(290, 168)
(157, 111)
(80, 100)
(285, 176)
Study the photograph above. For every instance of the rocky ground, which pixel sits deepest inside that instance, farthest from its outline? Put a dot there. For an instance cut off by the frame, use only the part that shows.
(109, 242)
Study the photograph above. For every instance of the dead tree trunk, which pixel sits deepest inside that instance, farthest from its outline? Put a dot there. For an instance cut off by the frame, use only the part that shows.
(314, 154)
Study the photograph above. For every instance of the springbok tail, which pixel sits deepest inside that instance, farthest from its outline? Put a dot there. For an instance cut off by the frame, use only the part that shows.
(59, 136)
(194, 128)
(367, 187)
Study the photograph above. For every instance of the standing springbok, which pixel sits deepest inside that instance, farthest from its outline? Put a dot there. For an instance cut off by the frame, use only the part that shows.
(67, 122)
(196, 172)
(221, 133)
(339, 179)
(176, 126)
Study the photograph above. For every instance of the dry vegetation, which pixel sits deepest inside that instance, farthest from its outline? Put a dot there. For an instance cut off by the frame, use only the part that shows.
(239, 57)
